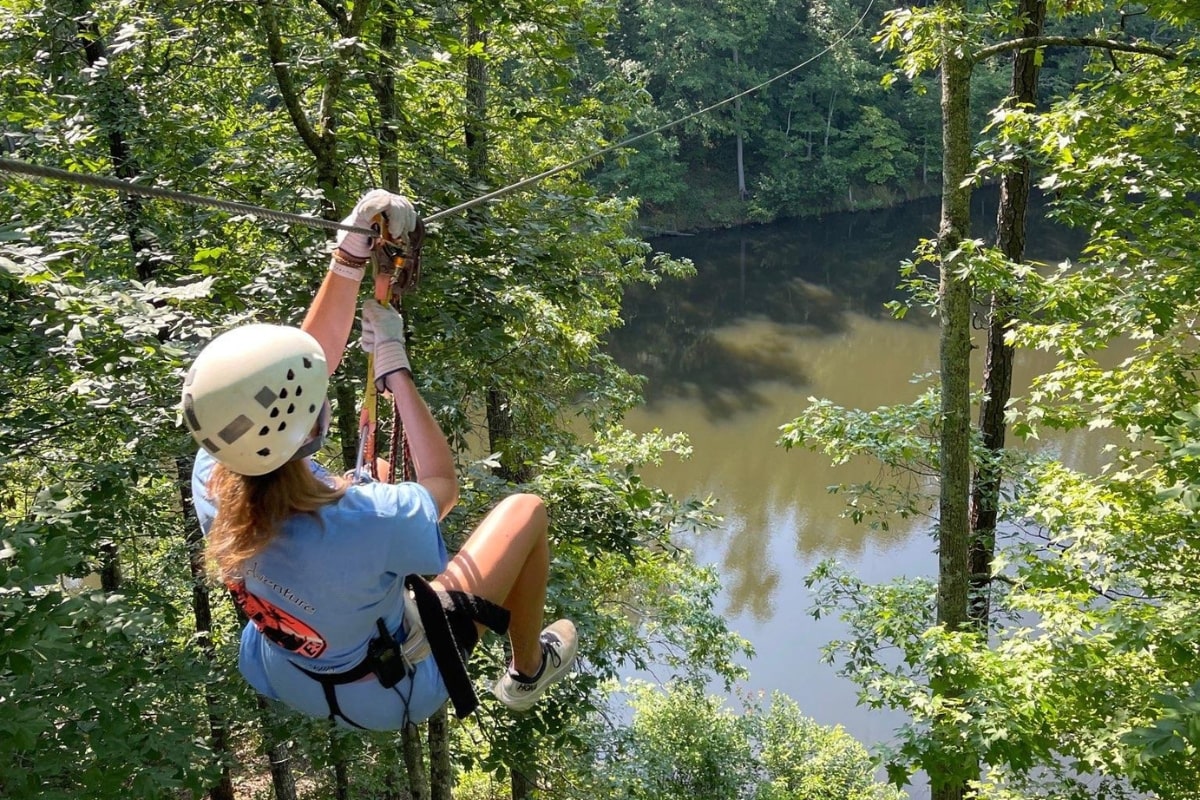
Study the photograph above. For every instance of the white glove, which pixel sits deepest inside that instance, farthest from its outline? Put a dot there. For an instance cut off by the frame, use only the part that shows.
(383, 336)
(398, 213)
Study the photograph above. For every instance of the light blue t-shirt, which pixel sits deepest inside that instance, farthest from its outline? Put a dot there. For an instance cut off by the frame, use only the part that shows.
(314, 594)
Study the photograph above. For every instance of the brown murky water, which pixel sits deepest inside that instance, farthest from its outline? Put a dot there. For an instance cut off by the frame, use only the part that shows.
(775, 315)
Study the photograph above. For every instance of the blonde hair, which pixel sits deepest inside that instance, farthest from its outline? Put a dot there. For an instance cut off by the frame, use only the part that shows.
(251, 508)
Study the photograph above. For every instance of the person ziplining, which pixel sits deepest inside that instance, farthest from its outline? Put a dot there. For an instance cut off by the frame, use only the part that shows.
(328, 570)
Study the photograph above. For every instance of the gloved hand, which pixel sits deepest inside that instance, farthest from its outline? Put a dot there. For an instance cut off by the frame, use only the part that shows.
(396, 209)
(383, 336)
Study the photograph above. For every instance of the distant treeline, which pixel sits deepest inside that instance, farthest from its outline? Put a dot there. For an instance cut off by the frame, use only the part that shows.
(830, 136)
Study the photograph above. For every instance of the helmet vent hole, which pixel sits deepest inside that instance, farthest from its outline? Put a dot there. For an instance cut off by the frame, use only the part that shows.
(264, 430)
(266, 451)
(307, 363)
(299, 390)
(291, 408)
(274, 413)
(283, 394)
(291, 375)
(282, 425)
(312, 408)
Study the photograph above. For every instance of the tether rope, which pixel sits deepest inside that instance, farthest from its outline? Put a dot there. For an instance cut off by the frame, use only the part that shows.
(129, 187)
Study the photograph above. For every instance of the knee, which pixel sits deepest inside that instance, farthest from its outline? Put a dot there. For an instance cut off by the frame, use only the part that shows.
(531, 507)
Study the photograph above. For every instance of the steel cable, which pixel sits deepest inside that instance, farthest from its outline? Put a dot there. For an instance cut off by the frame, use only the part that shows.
(129, 187)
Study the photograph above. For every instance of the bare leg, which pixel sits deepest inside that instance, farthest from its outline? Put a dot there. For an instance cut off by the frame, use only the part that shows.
(507, 560)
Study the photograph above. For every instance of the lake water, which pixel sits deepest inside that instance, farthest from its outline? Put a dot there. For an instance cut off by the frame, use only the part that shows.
(777, 314)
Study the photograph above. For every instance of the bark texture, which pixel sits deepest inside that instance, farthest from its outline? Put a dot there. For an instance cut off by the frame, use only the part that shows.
(1011, 218)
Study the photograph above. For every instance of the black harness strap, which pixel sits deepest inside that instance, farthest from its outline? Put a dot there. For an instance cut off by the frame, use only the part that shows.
(443, 612)
(330, 689)
(371, 665)
(449, 620)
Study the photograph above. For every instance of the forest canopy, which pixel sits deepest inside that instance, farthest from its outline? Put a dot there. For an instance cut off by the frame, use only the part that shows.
(1065, 658)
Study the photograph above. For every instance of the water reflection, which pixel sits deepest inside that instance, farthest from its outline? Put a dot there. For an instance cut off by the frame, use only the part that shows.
(758, 294)
(776, 315)
(768, 494)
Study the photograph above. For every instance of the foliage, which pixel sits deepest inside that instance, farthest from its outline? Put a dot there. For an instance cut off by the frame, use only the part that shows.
(637, 600)
(902, 438)
(828, 135)
(1085, 683)
(796, 134)
(110, 691)
(684, 742)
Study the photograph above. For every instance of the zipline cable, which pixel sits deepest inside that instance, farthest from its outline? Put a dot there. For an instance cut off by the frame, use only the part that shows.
(626, 142)
(128, 187)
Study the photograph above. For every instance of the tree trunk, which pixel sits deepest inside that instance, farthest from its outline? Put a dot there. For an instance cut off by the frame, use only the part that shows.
(385, 97)
(737, 120)
(954, 300)
(475, 129)
(955, 348)
(441, 775)
(499, 414)
(998, 363)
(279, 757)
(414, 762)
(202, 610)
(115, 109)
(321, 138)
(522, 786)
(828, 125)
(347, 420)
(340, 756)
(500, 437)
(110, 566)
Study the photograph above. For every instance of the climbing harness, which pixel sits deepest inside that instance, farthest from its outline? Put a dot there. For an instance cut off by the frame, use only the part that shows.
(438, 624)
(389, 660)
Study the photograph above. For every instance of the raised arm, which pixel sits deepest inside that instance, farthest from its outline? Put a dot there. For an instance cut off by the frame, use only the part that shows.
(383, 335)
(331, 314)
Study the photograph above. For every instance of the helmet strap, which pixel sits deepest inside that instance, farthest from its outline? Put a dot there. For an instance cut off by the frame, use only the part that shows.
(317, 441)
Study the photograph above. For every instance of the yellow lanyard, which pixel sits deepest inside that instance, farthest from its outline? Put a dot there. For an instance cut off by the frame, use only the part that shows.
(395, 267)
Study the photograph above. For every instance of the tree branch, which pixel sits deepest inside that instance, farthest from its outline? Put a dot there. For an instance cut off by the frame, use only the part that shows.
(333, 84)
(283, 77)
(336, 11)
(1072, 41)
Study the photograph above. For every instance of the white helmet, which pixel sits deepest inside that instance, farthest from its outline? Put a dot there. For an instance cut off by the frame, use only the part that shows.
(253, 394)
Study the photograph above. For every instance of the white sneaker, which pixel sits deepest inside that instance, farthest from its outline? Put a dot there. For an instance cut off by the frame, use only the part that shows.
(558, 653)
